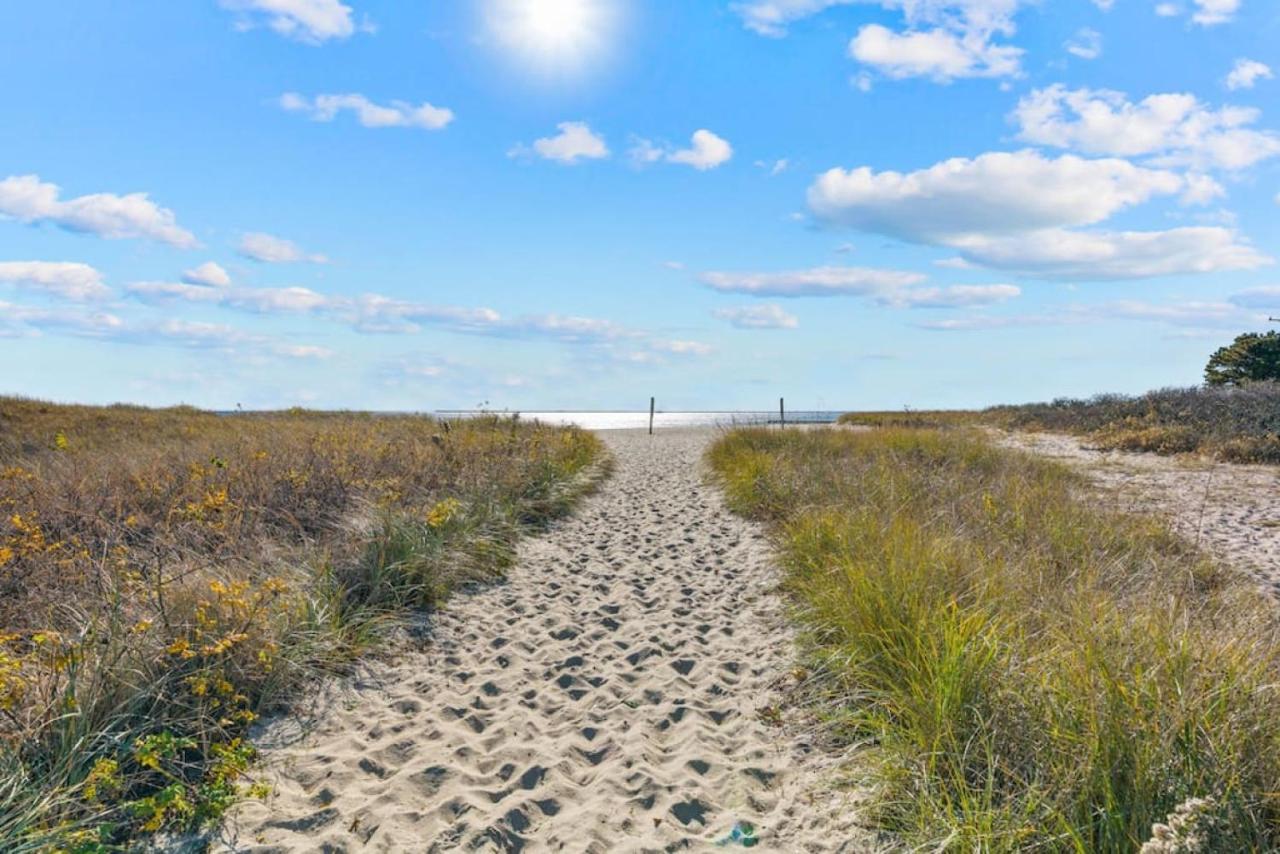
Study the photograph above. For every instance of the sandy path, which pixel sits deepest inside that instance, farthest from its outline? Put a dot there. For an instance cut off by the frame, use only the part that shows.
(606, 698)
(1232, 511)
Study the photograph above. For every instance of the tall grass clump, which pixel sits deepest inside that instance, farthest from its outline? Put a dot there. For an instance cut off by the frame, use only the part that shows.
(1032, 670)
(166, 576)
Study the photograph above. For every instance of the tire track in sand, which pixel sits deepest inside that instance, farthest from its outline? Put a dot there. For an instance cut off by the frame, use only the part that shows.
(605, 698)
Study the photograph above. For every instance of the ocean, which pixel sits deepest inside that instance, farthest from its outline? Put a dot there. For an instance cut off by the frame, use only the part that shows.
(615, 420)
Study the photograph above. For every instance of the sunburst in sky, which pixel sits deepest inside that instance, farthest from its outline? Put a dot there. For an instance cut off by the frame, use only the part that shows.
(554, 37)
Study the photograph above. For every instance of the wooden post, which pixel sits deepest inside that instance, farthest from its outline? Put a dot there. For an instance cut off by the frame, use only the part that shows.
(782, 412)
(651, 402)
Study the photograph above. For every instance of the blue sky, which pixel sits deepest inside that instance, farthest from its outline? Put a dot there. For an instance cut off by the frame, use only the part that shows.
(582, 203)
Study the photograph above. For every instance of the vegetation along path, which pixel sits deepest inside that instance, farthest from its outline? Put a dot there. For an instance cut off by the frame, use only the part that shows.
(617, 693)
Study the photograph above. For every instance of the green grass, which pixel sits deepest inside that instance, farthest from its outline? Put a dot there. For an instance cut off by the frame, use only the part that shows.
(1029, 670)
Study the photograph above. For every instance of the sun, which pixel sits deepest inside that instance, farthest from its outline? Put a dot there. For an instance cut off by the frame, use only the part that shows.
(553, 35)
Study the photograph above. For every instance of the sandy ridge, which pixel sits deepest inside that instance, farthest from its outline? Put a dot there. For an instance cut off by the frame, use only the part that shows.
(606, 698)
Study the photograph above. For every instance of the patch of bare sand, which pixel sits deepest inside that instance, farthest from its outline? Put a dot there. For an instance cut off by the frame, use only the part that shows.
(608, 697)
(1232, 511)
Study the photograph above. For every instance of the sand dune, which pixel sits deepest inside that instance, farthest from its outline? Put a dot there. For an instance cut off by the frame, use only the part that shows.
(607, 698)
(1230, 510)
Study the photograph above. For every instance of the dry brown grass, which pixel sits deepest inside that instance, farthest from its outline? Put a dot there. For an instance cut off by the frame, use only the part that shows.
(166, 575)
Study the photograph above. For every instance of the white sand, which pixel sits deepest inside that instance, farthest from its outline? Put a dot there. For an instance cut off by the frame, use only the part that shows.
(1232, 511)
(605, 699)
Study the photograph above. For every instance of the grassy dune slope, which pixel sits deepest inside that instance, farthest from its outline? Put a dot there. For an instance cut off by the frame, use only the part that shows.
(1031, 670)
(1239, 425)
(165, 576)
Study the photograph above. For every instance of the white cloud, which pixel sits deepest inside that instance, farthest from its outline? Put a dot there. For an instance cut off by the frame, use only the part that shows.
(1173, 129)
(1210, 12)
(954, 296)
(768, 316)
(1247, 72)
(707, 151)
(816, 282)
(1063, 254)
(210, 274)
(17, 320)
(1104, 5)
(164, 292)
(28, 199)
(981, 207)
(1086, 44)
(939, 53)
(71, 281)
(325, 108)
(986, 194)
(771, 17)
(575, 141)
(275, 250)
(1167, 10)
(310, 21)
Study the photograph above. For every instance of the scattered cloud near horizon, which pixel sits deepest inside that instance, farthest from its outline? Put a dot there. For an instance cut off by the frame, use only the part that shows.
(706, 151)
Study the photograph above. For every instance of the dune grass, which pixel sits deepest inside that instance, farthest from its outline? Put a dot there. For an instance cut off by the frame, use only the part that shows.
(167, 576)
(1235, 424)
(1028, 669)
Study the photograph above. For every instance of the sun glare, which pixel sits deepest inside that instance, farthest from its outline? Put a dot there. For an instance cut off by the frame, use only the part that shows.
(553, 35)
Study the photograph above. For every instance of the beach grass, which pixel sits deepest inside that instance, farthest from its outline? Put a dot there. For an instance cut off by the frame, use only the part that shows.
(1024, 668)
(168, 576)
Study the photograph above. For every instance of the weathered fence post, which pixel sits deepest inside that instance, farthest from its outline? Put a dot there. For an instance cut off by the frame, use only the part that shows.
(782, 412)
(651, 402)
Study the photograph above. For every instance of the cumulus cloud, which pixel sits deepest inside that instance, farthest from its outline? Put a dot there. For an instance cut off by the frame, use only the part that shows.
(397, 114)
(28, 199)
(210, 274)
(275, 250)
(985, 194)
(816, 282)
(938, 53)
(767, 316)
(575, 141)
(1171, 129)
(706, 151)
(981, 208)
(310, 21)
(66, 280)
(943, 39)
(1246, 73)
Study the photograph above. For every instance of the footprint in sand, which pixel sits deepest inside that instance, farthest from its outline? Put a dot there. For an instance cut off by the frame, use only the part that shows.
(604, 699)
